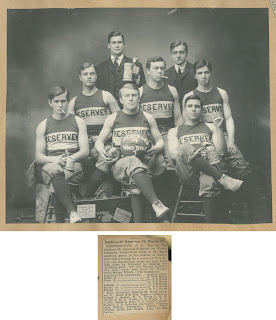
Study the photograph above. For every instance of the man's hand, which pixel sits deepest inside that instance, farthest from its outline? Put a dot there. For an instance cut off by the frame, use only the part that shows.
(135, 70)
(150, 153)
(231, 148)
(94, 138)
(60, 160)
(217, 120)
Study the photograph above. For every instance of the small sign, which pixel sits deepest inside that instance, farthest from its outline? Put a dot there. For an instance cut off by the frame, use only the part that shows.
(122, 216)
(86, 211)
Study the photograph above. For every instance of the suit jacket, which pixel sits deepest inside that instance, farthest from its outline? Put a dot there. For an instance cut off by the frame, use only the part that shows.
(107, 77)
(186, 82)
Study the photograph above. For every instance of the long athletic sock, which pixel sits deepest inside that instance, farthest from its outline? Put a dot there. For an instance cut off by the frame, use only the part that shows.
(96, 180)
(60, 211)
(201, 164)
(137, 208)
(63, 192)
(144, 183)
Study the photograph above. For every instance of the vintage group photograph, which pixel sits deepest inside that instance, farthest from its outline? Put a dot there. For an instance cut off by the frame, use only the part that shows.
(138, 115)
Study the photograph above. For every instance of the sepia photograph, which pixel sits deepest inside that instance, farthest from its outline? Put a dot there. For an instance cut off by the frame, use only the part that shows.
(138, 115)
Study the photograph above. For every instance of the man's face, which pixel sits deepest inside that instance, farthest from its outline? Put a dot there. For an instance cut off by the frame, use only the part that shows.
(192, 109)
(59, 103)
(116, 46)
(203, 76)
(156, 70)
(88, 77)
(179, 55)
(130, 99)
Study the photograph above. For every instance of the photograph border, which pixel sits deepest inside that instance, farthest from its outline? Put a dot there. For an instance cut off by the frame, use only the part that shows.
(32, 4)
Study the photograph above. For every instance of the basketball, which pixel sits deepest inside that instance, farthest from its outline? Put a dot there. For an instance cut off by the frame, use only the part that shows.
(135, 143)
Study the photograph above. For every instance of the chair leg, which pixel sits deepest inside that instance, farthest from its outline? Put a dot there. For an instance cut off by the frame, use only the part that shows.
(177, 203)
(47, 207)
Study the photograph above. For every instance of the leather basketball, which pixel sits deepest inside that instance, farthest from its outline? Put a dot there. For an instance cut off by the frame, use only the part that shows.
(135, 143)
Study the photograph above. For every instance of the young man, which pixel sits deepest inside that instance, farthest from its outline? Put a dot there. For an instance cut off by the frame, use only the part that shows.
(130, 170)
(180, 75)
(160, 100)
(111, 71)
(58, 137)
(215, 101)
(94, 106)
(190, 144)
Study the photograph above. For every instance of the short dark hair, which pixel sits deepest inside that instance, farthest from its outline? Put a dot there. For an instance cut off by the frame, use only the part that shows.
(154, 59)
(129, 86)
(177, 43)
(191, 97)
(57, 91)
(86, 65)
(201, 64)
(115, 34)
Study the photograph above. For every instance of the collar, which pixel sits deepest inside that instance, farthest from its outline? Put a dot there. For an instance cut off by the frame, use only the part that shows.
(181, 67)
(120, 58)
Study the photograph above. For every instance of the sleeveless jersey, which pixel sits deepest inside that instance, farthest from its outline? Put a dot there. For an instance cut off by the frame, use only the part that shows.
(199, 135)
(125, 123)
(93, 110)
(212, 104)
(61, 135)
(159, 103)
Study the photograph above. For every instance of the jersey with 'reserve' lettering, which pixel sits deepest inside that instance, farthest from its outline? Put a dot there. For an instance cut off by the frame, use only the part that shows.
(199, 135)
(126, 123)
(61, 135)
(159, 103)
(212, 104)
(93, 110)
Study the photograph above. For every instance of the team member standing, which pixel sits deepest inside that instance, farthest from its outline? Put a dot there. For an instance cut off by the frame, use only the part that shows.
(160, 100)
(58, 137)
(93, 105)
(189, 144)
(130, 170)
(180, 75)
(216, 101)
(111, 71)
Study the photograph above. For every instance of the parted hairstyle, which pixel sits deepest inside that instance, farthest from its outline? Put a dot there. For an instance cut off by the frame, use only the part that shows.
(129, 86)
(177, 43)
(193, 97)
(115, 34)
(154, 59)
(86, 65)
(57, 91)
(202, 63)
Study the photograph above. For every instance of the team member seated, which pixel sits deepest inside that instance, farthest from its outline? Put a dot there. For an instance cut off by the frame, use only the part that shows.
(190, 144)
(130, 170)
(60, 139)
(94, 105)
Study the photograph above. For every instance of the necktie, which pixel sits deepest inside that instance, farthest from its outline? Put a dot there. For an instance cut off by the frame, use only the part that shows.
(116, 63)
(179, 71)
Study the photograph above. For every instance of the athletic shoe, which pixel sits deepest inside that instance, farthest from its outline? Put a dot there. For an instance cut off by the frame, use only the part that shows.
(230, 183)
(159, 209)
(74, 218)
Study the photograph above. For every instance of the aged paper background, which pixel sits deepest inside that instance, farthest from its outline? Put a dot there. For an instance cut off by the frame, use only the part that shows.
(21, 4)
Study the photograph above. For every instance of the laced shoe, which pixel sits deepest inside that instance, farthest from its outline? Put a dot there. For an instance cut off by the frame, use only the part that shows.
(74, 218)
(159, 209)
(230, 183)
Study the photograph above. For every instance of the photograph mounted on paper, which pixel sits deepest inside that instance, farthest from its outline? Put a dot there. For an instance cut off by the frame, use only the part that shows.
(136, 115)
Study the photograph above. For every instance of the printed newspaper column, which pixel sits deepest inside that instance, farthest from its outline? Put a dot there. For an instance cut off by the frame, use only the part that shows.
(135, 276)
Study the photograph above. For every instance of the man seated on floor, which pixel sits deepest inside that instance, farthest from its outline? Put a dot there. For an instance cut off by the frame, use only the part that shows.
(197, 148)
(94, 105)
(130, 170)
(61, 144)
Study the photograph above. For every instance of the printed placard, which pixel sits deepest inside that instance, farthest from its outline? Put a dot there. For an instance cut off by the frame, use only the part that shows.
(86, 211)
(122, 216)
